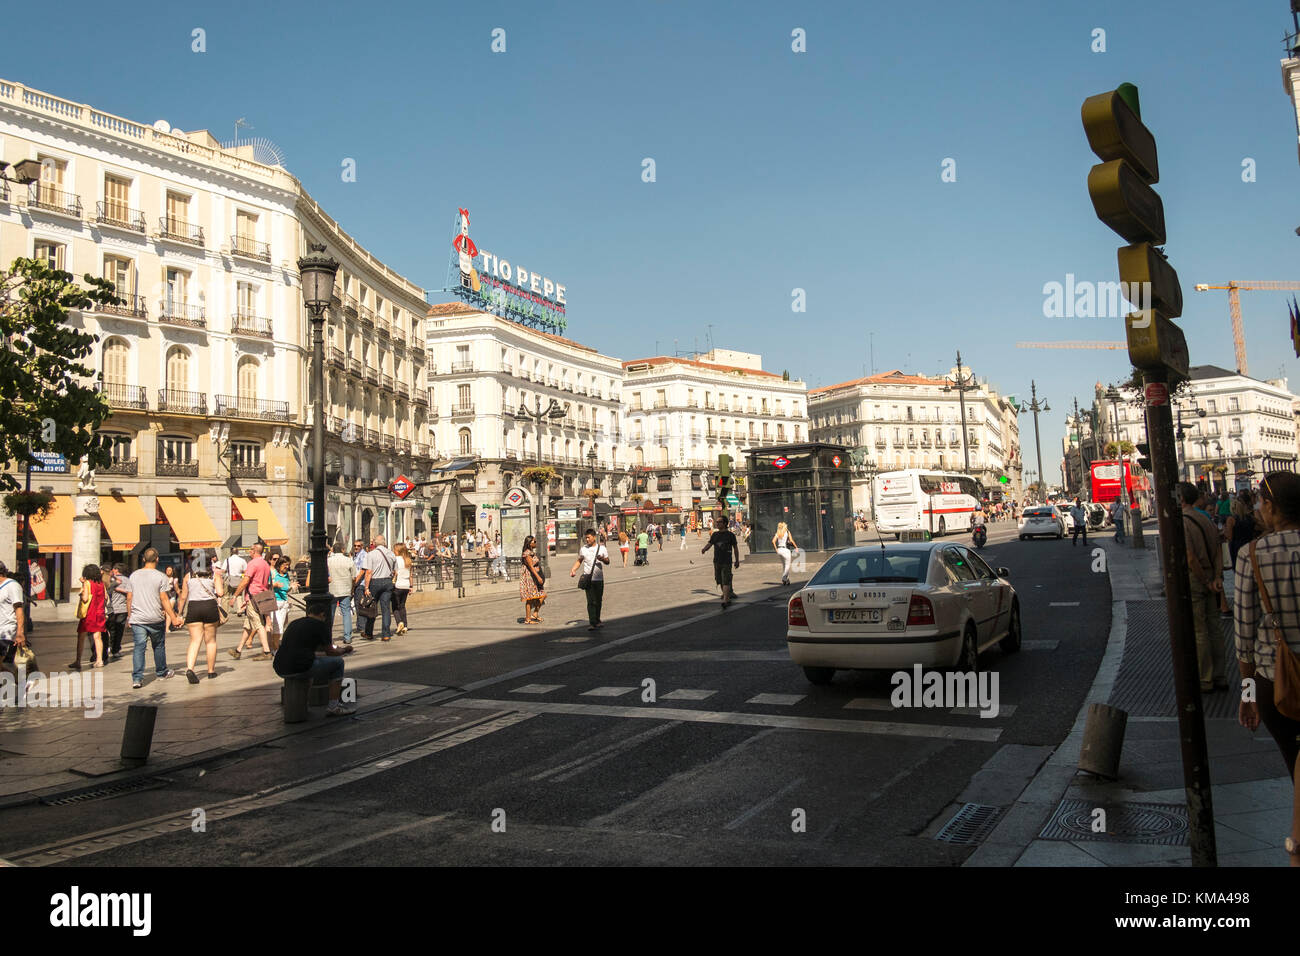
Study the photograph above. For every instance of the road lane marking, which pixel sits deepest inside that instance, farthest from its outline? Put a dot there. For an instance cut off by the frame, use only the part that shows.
(779, 721)
(588, 761)
(777, 700)
(536, 688)
(782, 656)
(686, 693)
(869, 703)
(1064, 604)
(763, 805)
(607, 691)
(1004, 710)
(96, 842)
(1039, 645)
(362, 841)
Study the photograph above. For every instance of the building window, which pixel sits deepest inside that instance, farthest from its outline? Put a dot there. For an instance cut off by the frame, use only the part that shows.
(1233, 405)
(466, 441)
(117, 198)
(175, 450)
(246, 453)
(116, 357)
(246, 299)
(247, 381)
(51, 252)
(178, 286)
(462, 395)
(118, 271)
(178, 369)
(1212, 407)
(118, 445)
(178, 213)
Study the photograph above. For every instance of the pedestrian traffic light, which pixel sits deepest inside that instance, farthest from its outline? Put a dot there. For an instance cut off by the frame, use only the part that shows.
(1144, 455)
(724, 466)
(1121, 193)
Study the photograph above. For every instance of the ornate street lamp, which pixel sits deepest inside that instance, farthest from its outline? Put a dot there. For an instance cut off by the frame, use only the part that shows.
(316, 272)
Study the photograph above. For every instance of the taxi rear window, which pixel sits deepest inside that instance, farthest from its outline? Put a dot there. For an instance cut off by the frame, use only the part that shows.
(874, 567)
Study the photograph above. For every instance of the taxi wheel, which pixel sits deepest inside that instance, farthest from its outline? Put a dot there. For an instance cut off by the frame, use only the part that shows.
(968, 661)
(1011, 643)
(819, 675)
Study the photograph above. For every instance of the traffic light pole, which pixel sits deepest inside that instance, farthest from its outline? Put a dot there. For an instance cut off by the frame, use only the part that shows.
(1182, 632)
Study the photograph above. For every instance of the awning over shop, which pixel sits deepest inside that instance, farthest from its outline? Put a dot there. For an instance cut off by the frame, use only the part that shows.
(190, 523)
(54, 532)
(122, 518)
(459, 464)
(269, 528)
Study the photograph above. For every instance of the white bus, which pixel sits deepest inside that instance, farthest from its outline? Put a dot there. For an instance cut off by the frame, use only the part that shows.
(917, 499)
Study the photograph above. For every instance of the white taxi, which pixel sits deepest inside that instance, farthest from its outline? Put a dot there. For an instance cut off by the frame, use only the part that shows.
(1041, 520)
(895, 605)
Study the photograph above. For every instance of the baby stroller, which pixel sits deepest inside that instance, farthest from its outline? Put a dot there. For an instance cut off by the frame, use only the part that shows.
(641, 557)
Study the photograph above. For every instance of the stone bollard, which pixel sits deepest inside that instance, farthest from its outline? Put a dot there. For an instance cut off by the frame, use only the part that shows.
(137, 735)
(294, 696)
(1103, 739)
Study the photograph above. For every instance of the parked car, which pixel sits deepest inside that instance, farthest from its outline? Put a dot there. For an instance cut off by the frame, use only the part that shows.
(1067, 519)
(892, 606)
(1041, 520)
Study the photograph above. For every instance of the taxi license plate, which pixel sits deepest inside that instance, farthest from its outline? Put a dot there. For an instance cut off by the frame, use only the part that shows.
(856, 615)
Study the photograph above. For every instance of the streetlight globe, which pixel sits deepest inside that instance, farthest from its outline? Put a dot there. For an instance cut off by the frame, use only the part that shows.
(316, 271)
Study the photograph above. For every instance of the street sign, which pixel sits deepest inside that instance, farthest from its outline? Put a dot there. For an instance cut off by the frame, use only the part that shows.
(49, 461)
(516, 497)
(835, 460)
(311, 511)
(482, 515)
(1156, 342)
(1125, 203)
(780, 463)
(733, 501)
(401, 486)
(1143, 267)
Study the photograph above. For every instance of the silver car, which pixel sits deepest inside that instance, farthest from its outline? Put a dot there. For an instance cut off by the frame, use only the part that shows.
(1041, 520)
(891, 606)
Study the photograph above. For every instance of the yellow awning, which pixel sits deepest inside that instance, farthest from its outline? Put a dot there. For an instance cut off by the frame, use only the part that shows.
(122, 519)
(54, 532)
(269, 528)
(190, 523)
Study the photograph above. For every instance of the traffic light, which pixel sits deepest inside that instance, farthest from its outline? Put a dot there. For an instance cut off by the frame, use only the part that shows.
(1144, 455)
(724, 478)
(1121, 193)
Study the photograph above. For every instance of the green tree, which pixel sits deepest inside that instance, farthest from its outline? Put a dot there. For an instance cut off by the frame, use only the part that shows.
(42, 378)
(1122, 448)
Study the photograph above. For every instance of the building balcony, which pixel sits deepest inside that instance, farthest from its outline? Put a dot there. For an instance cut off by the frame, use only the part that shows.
(335, 425)
(382, 326)
(51, 199)
(372, 375)
(417, 350)
(354, 367)
(182, 313)
(462, 411)
(420, 449)
(387, 442)
(566, 387)
(506, 369)
(180, 230)
(399, 336)
(526, 375)
(249, 248)
(659, 404)
(366, 315)
(386, 381)
(722, 407)
(182, 402)
(335, 357)
(248, 470)
(350, 304)
(911, 443)
(177, 469)
(420, 398)
(242, 323)
(4, 191)
(724, 435)
(403, 446)
(371, 438)
(459, 368)
(122, 466)
(241, 406)
(125, 396)
(403, 391)
(120, 217)
(129, 306)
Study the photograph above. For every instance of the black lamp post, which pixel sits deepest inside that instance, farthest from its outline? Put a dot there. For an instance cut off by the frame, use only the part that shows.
(1035, 406)
(591, 463)
(961, 384)
(316, 271)
(552, 411)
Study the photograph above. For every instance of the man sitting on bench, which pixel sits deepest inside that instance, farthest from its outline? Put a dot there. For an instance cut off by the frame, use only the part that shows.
(297, 655)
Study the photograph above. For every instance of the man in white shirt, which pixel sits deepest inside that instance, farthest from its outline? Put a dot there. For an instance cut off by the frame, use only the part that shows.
(342, 577)
(380, 564)
(592, 558)
(13, 632)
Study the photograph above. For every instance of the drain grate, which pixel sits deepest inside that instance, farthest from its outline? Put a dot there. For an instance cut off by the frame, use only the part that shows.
(1160, 824)
(113, 790)
(970, 824)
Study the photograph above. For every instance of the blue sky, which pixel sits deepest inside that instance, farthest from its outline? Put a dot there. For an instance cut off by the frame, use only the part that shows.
(775, 170)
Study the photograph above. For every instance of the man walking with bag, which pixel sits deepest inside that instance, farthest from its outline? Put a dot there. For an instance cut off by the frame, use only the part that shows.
(592, 558)
(1204, 554)
(380, 566)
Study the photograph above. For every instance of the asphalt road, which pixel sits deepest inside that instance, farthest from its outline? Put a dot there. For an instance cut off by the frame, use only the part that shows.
(513, 760)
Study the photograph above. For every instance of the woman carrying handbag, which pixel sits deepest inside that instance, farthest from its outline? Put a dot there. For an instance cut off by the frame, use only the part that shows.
(531, 582)
(92, 614)
(1267, 625)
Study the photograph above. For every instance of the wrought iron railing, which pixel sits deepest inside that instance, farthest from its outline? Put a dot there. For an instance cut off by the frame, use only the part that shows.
(354, 366)
(248, 470)
(242, 406)
(250, 248)
(44, 196)
(336, 357)
(119, 215)
(121, 466)
(183, 402)
(386, 381)
(182, 313)
(458, 367)
(242, 323)
(177, 469)
(132, 306)
(458, 411)
(180, 230)
(372, 438)
(125, 396)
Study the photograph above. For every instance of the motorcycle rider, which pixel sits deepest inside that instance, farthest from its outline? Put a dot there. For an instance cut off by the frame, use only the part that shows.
(979, 533)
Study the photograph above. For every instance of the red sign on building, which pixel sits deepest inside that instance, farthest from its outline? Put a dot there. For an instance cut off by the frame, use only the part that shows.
(401, 486)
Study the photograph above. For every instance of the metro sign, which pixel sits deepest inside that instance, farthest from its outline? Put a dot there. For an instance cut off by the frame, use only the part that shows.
(780, 462)
(835, 460)
(514, 497)
(401, 486)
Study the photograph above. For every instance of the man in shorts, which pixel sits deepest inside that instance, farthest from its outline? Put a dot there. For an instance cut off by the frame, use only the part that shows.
(257, 578)
(725, 551)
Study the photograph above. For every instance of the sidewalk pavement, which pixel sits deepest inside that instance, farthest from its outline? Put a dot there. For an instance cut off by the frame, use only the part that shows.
(48, 750)
(1146, 816)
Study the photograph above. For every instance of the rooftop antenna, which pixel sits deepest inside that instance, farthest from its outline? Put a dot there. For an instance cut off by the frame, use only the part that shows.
(240, 123)
(710, 336)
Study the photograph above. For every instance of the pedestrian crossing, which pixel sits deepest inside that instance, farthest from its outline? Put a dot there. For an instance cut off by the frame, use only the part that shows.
(761, 699)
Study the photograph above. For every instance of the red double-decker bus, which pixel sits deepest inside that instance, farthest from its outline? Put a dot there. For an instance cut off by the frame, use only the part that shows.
(1106, 479)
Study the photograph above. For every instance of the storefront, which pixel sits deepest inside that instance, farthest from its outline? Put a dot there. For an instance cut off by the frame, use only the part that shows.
(809, 487)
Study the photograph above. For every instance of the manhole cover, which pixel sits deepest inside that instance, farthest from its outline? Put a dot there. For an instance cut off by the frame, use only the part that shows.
(1162, 824)
(970, 824)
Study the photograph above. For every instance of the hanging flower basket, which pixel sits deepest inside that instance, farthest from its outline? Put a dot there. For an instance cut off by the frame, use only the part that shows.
(591, 493)
(542, 474)
(29, 504)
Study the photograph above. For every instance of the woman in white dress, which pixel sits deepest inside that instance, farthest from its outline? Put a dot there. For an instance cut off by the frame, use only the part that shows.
(783, 541)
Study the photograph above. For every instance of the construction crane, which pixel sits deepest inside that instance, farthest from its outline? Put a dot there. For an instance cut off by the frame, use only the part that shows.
(1234, 308)
(1072, 345)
